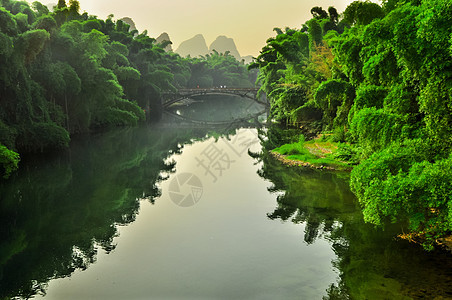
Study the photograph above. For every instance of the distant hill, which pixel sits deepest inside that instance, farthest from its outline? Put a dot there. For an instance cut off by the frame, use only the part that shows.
(197, 46)
(130, 22)
(223, 44)
(50, 6)
(194, 47)
(163, 38)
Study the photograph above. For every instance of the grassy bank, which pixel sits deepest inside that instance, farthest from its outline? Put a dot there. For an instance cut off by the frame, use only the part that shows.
(319, 153)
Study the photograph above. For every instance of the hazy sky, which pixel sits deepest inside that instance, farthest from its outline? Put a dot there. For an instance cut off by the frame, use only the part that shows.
(249, 22)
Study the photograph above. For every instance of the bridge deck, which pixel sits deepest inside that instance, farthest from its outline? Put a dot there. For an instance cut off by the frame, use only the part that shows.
(176, 96)
(238, 91)
(216, 89)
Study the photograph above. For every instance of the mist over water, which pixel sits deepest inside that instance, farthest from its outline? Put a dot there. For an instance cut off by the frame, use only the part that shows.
(217, 108)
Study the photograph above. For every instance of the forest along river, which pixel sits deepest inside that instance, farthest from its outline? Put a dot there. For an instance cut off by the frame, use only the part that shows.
(179, 213)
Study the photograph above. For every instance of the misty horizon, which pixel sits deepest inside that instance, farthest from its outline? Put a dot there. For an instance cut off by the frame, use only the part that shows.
(249, 23)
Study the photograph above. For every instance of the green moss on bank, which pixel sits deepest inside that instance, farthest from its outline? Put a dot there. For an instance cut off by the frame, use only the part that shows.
(316, 153)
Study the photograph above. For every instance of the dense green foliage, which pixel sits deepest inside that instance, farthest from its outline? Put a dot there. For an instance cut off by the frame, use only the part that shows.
(315, 153)
(371, 264)
(217, 69)
(8, 160)
(380, 80)
(62, 72)
(57, 213)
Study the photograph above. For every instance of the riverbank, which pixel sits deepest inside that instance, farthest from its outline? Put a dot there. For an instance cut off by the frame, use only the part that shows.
(321, 154)
(293, 162)
(315, 154)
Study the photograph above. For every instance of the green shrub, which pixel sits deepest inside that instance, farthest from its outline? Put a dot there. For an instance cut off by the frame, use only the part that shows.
(347, 153)
(41, 136)
(7, 135)
(9, 161)
(131, 107)
(400, 184)
(112, 116)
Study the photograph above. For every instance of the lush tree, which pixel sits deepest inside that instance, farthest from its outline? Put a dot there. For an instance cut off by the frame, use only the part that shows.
(9, 161)
(31, 43)
(400, 183)
(62, 72)
(333, 14)
(46, 22)
(335, 98)
(61, 4)
(362, 12)
(315, 33)
(379, 79)
(40, 9)
(402, 95)
(74, 6)
(281, 65)
(318, 13)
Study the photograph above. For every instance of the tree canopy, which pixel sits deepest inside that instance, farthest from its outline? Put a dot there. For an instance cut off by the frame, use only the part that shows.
(62, 72)
(379, 79)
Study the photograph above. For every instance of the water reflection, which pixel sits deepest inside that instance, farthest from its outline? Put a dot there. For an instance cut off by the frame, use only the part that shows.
(215, 109)
(58, 211)
(371, 263)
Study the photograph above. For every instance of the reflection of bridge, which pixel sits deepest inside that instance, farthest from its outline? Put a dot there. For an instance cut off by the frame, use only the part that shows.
(254, 118)
(170, 98)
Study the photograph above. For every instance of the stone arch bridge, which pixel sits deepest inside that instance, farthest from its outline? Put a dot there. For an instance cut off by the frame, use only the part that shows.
(170, 98)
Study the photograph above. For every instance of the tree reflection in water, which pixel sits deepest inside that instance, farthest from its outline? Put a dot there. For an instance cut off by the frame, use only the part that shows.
(58, 211)
(371, 263)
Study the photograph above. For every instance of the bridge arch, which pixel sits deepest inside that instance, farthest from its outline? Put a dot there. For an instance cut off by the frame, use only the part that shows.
(170, 98)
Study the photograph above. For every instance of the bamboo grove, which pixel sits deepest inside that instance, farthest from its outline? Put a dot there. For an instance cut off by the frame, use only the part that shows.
(63, 73)
(378, 78)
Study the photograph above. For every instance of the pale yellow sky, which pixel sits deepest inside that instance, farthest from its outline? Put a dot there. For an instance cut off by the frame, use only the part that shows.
(249, 22)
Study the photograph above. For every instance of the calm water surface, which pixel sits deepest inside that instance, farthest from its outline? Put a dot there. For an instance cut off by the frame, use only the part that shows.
(155, 213)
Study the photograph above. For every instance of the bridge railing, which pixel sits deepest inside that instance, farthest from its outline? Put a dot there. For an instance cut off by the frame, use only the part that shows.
(213, 89)
(170, 98)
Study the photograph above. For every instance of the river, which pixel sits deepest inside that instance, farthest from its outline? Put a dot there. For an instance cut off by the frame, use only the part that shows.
(170, 212)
